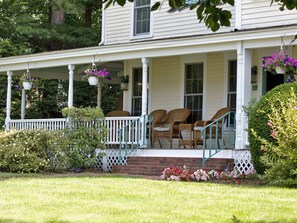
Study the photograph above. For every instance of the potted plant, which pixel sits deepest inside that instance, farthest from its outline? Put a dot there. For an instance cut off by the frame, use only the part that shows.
(280, 64)
(124, 82)
(93, 75)
(26, 80)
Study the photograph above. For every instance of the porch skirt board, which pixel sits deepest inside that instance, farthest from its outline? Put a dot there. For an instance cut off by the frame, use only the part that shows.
(153, 166)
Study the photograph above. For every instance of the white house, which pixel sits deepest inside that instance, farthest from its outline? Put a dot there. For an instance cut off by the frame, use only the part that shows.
(161, 51)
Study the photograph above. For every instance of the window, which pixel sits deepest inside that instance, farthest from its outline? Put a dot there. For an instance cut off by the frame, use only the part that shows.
(232, 81)
(194, 90)
(142, 16)
(137, 91)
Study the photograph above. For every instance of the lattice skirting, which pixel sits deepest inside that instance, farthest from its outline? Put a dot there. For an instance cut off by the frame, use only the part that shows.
(108, 157)
(243, 161)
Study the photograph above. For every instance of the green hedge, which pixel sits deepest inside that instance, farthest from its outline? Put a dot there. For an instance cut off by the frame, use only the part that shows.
(258, 120)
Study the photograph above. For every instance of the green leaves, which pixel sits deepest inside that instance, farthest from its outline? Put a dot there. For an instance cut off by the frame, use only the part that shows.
(156, 6)
(213, 16)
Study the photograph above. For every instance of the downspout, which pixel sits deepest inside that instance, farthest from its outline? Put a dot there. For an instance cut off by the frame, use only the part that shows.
(103, 24)
(238, 16)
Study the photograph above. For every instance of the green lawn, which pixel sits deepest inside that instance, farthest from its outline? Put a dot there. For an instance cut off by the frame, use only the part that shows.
(109, 198)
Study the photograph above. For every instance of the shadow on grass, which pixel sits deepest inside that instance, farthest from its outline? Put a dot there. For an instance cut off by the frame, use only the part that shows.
(6, 176)
(237, 220)
(17, 221)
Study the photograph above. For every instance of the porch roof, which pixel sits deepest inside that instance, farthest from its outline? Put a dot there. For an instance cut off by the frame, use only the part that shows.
(167, 47)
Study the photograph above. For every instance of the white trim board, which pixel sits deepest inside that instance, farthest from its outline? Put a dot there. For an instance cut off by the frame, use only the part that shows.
(191, 153)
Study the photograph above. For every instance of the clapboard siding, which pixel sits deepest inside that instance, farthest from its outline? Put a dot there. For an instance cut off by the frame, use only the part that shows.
(259, 13)
(181, 23)
(165, 86)
(119, 23)
(215, 89)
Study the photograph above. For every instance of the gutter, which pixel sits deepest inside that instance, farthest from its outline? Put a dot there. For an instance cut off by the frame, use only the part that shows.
(103, 26)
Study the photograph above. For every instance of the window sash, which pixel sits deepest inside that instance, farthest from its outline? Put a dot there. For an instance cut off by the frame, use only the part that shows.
(141, 17)
(232, 85)
(137, 91)
(193, 98)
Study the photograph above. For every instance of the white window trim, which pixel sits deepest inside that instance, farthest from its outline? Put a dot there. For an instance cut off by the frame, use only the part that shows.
(188, 59)
(229, 56)
(141, 36)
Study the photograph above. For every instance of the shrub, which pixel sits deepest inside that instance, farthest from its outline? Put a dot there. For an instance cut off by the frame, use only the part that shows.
(85, 133)
(258, 119)
(280, 156)
(83, 114)
(29, 151)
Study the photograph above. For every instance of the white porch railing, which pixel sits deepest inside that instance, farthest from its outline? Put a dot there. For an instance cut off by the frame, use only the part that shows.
(35, 124)
(113, 124)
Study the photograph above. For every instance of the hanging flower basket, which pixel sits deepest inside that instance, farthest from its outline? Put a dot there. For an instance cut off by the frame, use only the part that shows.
(26, 80)
(94, 75)
(27, 85)
(280, 64)
(93, 80)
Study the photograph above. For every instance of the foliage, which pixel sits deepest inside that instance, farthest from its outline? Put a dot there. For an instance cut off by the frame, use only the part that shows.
(177, 174)
(258, 118)
(125, 79)
(280, 157)
(26, 27)
(84, 134)
(94, 72)
(28, 151)
(83, 114)
(289, 64)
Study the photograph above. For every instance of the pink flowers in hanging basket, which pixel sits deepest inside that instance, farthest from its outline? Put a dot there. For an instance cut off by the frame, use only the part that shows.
(278, 61)
(96, 73)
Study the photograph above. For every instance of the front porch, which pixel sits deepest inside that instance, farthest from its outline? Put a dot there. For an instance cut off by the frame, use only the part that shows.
(202, 73)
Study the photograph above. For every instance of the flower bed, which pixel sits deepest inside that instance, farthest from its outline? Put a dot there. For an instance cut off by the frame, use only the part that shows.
(184, 174)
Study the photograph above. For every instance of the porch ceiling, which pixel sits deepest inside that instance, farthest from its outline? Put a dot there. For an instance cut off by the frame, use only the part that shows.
(62, 72)
(168, 47)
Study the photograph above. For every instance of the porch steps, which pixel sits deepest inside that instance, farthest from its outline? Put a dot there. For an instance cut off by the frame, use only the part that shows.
(153, 166)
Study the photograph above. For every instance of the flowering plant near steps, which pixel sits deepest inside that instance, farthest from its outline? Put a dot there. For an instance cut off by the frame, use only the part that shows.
(94, 72)
(289, 64)
(178, 174)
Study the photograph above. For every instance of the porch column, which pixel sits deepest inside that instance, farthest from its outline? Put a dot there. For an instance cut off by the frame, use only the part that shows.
(99, 94)
(145, 62)
(23, 104)
(71, 68)
(243, 94)
(8, 99)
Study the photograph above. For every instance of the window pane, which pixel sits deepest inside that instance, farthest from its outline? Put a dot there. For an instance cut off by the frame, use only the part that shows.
(142, 16)
(194, 90)
(232, 88)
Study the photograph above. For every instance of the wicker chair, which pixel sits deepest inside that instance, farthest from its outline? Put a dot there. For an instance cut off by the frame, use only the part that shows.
(117, 113)
(200, 124)
(157, 116)
(168, 127)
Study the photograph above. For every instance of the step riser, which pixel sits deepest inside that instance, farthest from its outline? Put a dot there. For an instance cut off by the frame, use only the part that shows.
(154, 166)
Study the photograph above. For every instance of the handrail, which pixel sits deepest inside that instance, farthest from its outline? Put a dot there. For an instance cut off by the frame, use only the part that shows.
(133, 135)
(217, 129)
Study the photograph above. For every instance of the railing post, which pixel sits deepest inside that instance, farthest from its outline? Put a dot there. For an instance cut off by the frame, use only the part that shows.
(8, 99)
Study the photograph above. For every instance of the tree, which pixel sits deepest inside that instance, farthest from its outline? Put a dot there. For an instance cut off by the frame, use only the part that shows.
(208, 11)
(32, 26)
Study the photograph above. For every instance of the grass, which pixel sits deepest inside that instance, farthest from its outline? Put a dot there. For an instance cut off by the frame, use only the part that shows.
(110, 198)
